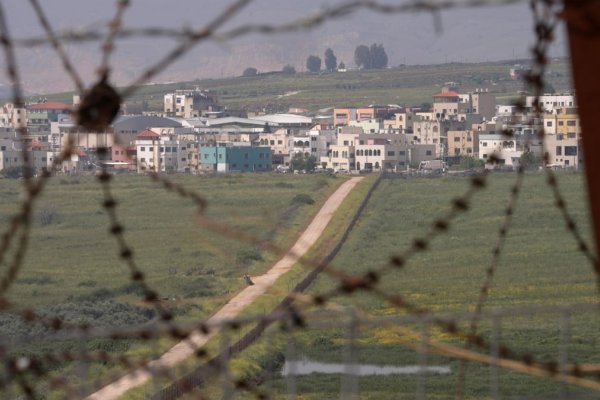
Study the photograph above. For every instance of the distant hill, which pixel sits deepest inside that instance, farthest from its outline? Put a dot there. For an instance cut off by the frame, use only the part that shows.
(467, 35)
(6, 92)
(408, 85)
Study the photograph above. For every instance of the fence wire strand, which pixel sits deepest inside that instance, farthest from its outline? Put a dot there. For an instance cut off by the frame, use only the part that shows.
(297, 310)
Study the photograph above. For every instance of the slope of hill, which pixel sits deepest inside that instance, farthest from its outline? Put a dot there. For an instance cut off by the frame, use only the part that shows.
(408, 85)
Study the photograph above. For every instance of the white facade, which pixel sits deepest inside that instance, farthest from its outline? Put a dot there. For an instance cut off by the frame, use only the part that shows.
(551, 102)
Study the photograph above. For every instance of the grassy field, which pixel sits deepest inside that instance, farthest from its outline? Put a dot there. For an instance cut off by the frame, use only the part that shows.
(409, 85)
(72, 269)
(539, 266)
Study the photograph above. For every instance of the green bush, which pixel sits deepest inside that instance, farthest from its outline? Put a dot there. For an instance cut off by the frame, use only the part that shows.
(248, 256)
(302, 199)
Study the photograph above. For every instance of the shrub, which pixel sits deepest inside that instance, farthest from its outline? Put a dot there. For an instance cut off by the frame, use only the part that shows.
(37, 280)
(302, 199)
(199, 287)
(12, 172)
(248, 256)
(88, 283)
(284, 185)
(48, 215)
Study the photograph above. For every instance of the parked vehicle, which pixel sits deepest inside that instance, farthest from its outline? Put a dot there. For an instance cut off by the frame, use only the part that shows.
(433, 166)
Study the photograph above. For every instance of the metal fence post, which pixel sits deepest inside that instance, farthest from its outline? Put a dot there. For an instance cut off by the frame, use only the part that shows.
(563, 351)
(291, 360)
(495, 353)
(226, 385)
(349, 389)
(423, 360)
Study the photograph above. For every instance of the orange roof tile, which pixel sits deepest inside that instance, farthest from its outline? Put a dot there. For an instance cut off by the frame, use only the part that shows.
(50, 105)
(446, 94)
(148, 134)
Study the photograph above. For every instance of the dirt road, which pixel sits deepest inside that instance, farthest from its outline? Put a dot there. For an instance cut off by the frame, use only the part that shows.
(185, 349)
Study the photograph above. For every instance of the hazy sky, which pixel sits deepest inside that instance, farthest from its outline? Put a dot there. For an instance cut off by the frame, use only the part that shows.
(468, 35)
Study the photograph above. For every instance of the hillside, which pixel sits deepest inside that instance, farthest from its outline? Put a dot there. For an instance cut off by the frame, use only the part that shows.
(407, 85)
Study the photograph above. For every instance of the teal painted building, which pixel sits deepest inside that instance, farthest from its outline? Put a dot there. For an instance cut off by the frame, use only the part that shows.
(231, 158)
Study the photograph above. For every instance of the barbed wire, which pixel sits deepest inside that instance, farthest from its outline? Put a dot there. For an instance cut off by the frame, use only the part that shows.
(98, 108)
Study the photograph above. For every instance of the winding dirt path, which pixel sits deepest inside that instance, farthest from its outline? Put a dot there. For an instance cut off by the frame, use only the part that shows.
(185, 349)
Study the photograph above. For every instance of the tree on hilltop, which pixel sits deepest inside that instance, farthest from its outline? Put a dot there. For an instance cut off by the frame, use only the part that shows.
(373, 57)
(362, 57)
(313, 63)
(289, 69)
(330, 60)
(379, 58)
(250, 71)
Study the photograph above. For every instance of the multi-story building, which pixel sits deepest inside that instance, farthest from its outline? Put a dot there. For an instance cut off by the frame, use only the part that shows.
(53, 109)
(463, 143)
(13, 117)
(402, 122)
(435, 131)
(165, 153)
(236, 157)
(65, 130)
(562, 134)
(343, 116)
(508, 149)
(190, 103)
(551, 102)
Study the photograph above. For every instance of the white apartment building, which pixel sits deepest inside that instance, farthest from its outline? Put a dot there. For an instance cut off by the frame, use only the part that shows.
(508, 149)
(551, 102)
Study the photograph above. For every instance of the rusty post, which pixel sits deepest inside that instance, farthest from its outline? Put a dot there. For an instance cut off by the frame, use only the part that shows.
(583, 26)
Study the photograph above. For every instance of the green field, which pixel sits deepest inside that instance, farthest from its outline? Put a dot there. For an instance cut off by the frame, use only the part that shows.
(72, 269)
(540, 266)
(73, 258)
(408, 85)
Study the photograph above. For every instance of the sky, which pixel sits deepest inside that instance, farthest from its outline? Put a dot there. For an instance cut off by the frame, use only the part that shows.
(487, 33)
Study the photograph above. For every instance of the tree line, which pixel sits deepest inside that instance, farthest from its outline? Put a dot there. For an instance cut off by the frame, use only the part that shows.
(365, 57)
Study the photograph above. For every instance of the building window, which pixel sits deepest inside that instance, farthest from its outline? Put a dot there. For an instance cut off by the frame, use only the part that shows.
(142, 149)
(560, 136)
(206, 156)
(456, 139)
(428, 153)
(484, 144)
(571, 122)
(150, 148)
(273, 142)
(570, 150)
(558, 150)
(391, 153)
(549, 123)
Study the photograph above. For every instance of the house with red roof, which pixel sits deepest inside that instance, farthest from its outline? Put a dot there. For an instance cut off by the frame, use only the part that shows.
(51, 108)
(165, 152)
